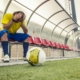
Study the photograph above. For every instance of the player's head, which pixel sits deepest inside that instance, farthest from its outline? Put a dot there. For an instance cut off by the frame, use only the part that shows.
(21, 14)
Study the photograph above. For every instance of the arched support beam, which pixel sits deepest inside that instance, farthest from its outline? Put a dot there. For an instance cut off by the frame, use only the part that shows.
(36, 9)
(7, 6)
(65, 28)
(48, 20)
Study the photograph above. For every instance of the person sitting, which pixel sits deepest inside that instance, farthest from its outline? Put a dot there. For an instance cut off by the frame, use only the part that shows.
(11, 22)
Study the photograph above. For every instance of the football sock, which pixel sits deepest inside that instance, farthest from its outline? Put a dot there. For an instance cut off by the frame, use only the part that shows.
(5, 47)
(25, 48)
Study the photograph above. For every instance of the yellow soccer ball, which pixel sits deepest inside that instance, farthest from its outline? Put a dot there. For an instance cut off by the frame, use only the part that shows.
(36, 56)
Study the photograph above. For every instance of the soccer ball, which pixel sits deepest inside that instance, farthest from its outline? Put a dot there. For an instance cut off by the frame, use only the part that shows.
(36, 56)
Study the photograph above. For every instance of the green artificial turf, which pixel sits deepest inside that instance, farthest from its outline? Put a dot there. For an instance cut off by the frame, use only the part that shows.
(52, 70)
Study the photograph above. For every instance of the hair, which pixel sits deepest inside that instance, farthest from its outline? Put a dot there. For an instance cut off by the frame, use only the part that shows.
(18, 12)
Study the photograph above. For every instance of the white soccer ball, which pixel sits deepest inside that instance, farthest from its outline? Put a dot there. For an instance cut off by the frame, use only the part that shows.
(36, 56)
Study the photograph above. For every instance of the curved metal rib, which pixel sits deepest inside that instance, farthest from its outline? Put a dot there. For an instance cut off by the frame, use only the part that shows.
(48, 20)
(36, 9)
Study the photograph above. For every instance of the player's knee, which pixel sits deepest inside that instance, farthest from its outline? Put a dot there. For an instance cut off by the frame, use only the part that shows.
(26, 38)
(4, 37)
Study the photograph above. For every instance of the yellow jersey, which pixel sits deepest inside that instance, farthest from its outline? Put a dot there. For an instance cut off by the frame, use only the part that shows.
(6, 19)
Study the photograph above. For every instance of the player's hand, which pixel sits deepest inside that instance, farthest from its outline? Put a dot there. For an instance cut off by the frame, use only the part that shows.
(23, 18)
(22, 22)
